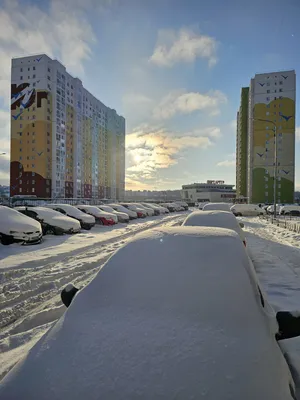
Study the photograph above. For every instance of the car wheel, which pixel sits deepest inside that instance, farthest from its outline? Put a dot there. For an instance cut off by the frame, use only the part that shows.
(239, 214)
(6, 240)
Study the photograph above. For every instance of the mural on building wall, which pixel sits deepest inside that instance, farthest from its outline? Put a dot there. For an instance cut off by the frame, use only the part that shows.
(31, 137)
(282, 112)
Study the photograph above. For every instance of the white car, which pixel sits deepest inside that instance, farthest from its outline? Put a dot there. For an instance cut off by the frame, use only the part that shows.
(162, 209)
(86, 221)
(141, 213)
(52, 221)
(290, 209)
(215, 219)
(157, 210)
(247, 210)
(166, 317)
(270, 209)
(101, 217)
(216, 206)
(17, 228)
(122, 217)
(120, 208)
(202, 204)
(149, 210)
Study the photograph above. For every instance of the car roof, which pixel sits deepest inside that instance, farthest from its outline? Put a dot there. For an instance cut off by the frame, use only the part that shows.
(168, 316)
(214, 218)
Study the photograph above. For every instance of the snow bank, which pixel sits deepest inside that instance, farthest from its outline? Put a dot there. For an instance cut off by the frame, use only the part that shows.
(173, 314)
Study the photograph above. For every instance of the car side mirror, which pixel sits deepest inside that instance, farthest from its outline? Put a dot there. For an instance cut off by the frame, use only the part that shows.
(289, 324)
(242, 225)
(68, 293)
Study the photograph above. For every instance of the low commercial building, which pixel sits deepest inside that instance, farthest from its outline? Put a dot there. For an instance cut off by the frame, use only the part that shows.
(211, 191)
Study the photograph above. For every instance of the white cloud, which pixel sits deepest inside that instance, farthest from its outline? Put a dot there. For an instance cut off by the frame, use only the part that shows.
(226, 163)
(150, 149)
(183, 46)
(60, 31)
(182, 102)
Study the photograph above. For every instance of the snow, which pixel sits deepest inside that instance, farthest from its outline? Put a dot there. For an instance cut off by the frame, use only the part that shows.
(215, 218)
(32, 277)
(216, 206)
(12, 220)
(156, 330)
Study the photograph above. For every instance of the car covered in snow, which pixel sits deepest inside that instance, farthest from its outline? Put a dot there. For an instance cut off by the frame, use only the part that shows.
(122, 217)
(52, 221)
(247, 210)
(215, 219)
(86, 221)
(18, 228)
(170, 206)
(141, 212)
(216, 206)
(120, 208)
(101, 217)
(290, 209)
(149, 210)
(154, 207)
(167, 317)
(270, 209)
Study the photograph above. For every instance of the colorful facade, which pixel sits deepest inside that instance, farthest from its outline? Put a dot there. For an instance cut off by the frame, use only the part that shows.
(64, 141)
(241, 145)
(271, 115)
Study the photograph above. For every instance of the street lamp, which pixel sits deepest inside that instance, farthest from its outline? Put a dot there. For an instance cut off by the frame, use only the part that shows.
(275, 161)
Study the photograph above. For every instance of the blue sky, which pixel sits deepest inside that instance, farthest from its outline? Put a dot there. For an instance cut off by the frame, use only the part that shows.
(172, 68)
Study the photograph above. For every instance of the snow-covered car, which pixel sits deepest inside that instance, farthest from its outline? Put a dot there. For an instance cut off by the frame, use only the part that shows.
(120, 208)
(86, 221)
(170, 206)
(247, 210)
(183, 204)
(157, 210)
(216, 206)
(18, 228)
(52, 221)
(270, 209)
(186, 322)
(290, 209)
(202, 204)
(101, 217)
(122, 217)
(149, 210)
(215, 219)
(141, 213)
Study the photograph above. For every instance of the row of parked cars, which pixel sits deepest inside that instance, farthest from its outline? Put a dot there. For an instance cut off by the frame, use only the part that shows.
(28, 224)
(239, 210)
(192, 315)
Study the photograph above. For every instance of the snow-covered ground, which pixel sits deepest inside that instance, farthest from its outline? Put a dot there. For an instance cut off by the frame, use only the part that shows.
(32, 277)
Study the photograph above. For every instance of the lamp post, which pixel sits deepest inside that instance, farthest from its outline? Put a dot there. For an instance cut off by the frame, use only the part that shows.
(275, 161)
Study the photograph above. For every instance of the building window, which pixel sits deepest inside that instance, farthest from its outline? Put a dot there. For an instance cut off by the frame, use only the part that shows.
(280, 90)
(33, 76)
(268, 98)
(33, 190)
(33, 165)
(21, 69)
(268, 91)
(21, 78)
(33, 182)
(33, 86)
(33, 68)
(33, 125)
(49, 79)
(49, 70)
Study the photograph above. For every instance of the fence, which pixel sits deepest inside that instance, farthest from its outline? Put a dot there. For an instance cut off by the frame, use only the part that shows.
(14, 202)
(290, 222)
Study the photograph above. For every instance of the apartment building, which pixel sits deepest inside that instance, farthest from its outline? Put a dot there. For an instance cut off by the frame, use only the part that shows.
(270, 136)
(241, 145)
(64, 142)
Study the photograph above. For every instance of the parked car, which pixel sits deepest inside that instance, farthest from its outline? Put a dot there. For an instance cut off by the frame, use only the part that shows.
(86, 221)
(270, 209)
(52, 221)
(141, 213)
(186, 322)
(170, 206)
(183, 204)
(202, 204)
(157, 210)
(290, 209)
(149, 210)
(101, 217)
(18, 228)
(247, 210)
(120, 208)
(122, 217)
(215, 219)
(217, 206)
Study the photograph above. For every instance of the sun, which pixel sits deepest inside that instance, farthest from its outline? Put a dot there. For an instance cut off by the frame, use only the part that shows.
(137, 158)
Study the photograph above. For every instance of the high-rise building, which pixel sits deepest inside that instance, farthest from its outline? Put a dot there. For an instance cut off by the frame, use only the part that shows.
(270, 127)
(64, 141)
(241, 145)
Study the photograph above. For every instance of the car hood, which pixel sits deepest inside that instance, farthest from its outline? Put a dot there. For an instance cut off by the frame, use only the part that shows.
(89, 219)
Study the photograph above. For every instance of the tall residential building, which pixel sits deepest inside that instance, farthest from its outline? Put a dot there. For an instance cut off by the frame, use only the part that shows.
(271, 110)
(64, 141)
(241, 145)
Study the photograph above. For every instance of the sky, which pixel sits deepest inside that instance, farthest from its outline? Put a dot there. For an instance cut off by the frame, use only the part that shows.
(173, 68)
